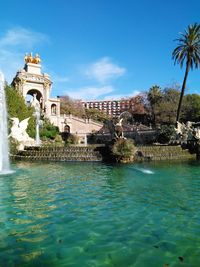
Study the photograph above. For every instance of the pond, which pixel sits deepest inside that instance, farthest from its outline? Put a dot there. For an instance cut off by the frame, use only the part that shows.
(93, 214)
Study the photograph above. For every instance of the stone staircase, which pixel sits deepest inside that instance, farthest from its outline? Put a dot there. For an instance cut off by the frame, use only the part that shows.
(51, 153)
(159, 152)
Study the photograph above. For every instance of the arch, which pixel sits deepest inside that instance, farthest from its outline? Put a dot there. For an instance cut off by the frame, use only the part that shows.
(29, 96)
(53, 109)
(67, 129)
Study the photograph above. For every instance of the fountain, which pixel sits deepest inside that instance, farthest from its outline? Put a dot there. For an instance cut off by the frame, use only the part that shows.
(4, 158)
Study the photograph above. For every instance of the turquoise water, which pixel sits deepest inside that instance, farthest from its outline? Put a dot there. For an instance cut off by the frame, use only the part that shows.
(90, 214)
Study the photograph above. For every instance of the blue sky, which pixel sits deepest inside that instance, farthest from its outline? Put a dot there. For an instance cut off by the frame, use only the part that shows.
(98, 49)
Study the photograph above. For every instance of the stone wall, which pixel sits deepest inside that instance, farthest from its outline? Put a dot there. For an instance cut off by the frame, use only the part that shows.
(162, 152)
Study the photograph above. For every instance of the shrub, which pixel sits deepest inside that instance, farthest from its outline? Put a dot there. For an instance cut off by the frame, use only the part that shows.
(72, 140)
(58, 139)
(13, 146)
(166, 133)
(48, 130)
(123, 150)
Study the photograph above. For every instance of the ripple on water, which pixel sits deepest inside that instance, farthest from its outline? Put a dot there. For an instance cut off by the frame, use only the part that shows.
(90, 214)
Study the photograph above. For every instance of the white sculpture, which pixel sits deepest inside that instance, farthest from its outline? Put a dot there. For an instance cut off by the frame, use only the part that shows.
(187, 131)
(119, 129)
(36, 104)
(18, 132)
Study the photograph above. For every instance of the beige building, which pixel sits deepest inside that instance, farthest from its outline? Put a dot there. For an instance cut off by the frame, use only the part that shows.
(112, 108)
(30, 81)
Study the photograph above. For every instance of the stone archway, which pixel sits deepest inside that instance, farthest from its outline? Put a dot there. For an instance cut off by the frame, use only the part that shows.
(66, 132)
(67, 129)
(29, 96)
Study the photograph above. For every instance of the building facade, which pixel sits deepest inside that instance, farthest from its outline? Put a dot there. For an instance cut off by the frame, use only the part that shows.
(112, 108)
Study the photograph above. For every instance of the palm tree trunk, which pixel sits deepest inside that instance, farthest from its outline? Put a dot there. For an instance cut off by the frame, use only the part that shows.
(183, 90)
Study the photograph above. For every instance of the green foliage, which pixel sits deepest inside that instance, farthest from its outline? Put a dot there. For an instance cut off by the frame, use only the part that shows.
(48, 130)
(166, 133)
(123, 149)
(16, 104)
(96, 115)
(163, 104)
(168, 106)
(17, 108)
(13, 145)
(154, 97)
(58, 139)
(31, 127)
(191, 108)
(187, 51)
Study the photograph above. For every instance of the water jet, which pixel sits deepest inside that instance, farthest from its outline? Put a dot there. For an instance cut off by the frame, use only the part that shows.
(4, 149)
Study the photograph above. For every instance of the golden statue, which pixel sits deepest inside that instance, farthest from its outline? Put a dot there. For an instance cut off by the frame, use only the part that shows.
(36, 59)
(30, 59)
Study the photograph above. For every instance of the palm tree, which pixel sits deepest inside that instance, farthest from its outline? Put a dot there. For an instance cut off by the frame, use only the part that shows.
(188, 50)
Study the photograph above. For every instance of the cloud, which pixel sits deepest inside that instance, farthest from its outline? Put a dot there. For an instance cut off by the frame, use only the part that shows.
(104, 70)
(19, 36)
(120, 96)
(60, 79)
(135, 93)
(91, 92)
(13, 45)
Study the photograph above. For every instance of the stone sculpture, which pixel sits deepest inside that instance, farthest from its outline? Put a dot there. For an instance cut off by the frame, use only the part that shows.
(116, 130)
(188, 132)
(18, 132)
(30, 59)
(119, 130)
(36, 105)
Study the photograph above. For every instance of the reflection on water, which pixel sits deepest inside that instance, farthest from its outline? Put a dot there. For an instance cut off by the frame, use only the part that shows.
(91, 214)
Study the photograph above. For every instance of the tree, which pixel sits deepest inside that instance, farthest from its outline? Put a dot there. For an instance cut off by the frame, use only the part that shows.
(48, 130)
(191, 108)
(71, 106)
(124, 150)
(167, 107)
(154, 97)
(163, 104)
(188, 50)
(96, 115)
(17, 108)
(16, 104)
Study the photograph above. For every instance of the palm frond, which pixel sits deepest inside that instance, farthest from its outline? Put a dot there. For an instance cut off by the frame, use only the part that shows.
(188, 49)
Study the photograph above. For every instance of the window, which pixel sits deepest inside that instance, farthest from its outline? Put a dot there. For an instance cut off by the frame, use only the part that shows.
(53, 109)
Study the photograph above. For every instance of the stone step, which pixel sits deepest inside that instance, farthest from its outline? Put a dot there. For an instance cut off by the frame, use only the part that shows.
(24, 153)
(165, 152)
(65, 149)
(65, 159)
(59, 154)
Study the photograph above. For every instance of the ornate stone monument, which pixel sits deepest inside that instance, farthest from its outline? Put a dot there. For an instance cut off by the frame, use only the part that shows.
(30, 81)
